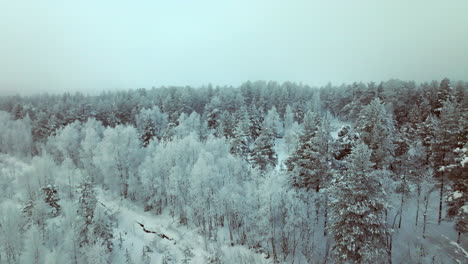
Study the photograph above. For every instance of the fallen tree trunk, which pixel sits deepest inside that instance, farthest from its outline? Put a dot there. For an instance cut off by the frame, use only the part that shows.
(163, 236)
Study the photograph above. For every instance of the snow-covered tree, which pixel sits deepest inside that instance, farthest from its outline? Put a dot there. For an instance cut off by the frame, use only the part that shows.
(256, 120)
(288, 118)
(117, 157)
(188, 124)
(240, 142)
(86, 206)
(66, 143)
(263, 154)
(376, 129)
(307, 164)
(358, 207)
(445, 141)
(34, 249)
(11, 233)
(150, 123)
(273, 122)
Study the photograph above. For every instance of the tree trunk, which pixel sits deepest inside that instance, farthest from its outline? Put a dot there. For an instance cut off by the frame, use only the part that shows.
(401, 208)
(273, 247)
(441, 199)
(325, 216)
(417, 204)
(426, 201)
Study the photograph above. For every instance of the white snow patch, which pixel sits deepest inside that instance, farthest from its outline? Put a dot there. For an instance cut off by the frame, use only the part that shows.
(464, 161)
(457, 194)
(135, 239)
(465, 209)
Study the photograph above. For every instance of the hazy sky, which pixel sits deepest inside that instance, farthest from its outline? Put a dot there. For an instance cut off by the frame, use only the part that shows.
(101, 45)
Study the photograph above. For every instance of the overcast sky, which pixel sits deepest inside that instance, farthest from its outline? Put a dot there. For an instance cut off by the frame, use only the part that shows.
(101, 45)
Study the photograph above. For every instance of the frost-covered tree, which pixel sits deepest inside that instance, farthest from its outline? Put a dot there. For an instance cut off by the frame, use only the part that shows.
(96, 253)
(263, 154)
(150, 123)
(307, 163)
(256, 120)
(240, 142)
(117, 157)
(444, 142)
(358, 207)
(16, 138)
(457, 174)
(34, 249)
(346, 141)
(86, 206)
(188, 124)
(51, 197)
(66, 143)
(243, 122)
(273, 122)
(11, 233)
(92, 135)
(288, 118)
(376, 129)
(102, 228)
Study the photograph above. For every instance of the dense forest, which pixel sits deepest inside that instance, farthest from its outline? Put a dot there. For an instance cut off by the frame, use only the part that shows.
(261, 173)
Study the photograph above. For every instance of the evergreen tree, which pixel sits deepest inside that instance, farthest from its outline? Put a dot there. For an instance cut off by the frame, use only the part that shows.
(256, 120)
(263, 154)
(307, 165)
(86, 206)
(376, 129)
(240, 142)
(243, 122)
(51, 198)
(443, 144)
(150, 123)
(359, 227)
(102, 228)
(457, 175)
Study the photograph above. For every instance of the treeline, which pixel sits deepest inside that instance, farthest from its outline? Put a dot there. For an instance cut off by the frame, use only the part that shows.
(209, 157)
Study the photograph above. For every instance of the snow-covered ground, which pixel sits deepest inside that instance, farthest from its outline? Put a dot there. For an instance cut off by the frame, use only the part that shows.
(129, 235)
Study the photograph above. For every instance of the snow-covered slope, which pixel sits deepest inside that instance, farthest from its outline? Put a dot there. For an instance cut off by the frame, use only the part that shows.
(130, 236)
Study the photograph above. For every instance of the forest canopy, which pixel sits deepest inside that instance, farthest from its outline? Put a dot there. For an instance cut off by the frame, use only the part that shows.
(355, 173)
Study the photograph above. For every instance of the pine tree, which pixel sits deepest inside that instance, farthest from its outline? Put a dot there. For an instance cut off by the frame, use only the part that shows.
(256, 120)
(243, 122)
(345, 143)
(240, 143)
(458, 180)
(86, 206)
(102, 228)
(306, 164)
(359, 227)
(376, 129)
(263, 154)
(51, 198)
(150, 123)
(443, 144)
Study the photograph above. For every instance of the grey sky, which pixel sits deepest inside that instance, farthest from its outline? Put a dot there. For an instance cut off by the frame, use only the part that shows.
(101, 45)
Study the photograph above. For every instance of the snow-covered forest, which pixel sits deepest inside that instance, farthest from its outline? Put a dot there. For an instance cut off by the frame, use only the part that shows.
(261, 173)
